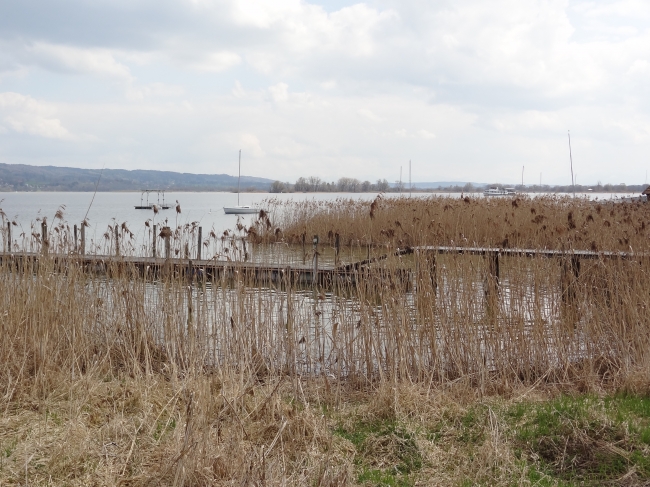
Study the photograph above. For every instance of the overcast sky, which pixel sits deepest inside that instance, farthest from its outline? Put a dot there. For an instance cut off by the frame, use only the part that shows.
(468, 90)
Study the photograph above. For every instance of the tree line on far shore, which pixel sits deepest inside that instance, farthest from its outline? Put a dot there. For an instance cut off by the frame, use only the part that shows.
(314, 184)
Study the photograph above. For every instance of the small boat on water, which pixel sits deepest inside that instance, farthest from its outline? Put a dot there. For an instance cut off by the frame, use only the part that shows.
(240, 209)
(499, 192)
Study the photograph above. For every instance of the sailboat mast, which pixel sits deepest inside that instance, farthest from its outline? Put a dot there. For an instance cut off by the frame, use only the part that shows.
(573, 184)
(239, 177)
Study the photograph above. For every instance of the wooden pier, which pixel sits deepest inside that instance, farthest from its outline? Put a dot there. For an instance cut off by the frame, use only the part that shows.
(253, 273)
(300, 274)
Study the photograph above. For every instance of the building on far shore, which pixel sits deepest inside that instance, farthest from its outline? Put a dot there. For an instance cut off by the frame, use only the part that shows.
(646, 193)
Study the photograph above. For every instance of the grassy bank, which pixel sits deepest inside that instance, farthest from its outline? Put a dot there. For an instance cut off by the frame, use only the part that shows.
(213, 430)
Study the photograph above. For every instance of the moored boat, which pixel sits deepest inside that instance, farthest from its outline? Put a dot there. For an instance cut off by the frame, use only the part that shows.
(499, 192)
(240, 210)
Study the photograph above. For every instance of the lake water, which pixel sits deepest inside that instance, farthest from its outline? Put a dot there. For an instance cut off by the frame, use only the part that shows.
(529, 310)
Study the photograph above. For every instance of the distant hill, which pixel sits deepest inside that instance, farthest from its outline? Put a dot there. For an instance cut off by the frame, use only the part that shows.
(21, 177)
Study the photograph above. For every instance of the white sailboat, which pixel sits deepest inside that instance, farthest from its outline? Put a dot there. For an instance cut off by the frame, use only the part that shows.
(239, 209)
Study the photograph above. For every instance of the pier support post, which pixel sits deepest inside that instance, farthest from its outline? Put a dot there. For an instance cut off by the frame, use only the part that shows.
(46, 244)
(8, 240)
(337, 248)
(153, 241)
(83, 238)
(117, 241)
(74, 248)
(304, 253)
(199, 242)
(314, 278)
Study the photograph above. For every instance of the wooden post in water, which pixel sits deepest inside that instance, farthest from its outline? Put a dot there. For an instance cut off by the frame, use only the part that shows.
(304, 254)
(314, 278)
(83, 238)
(153, 241)
(337, 248)
(199, 242)
(117, 241)
(75, 238)
(45, 245)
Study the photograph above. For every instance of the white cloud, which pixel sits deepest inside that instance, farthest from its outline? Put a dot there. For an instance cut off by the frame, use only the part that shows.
(251, 144)
(25, 115)
(425, 134)
(79, 60)
(238, 90)
(279, 93)
(138, 93)
(216, 62)
(369, 115)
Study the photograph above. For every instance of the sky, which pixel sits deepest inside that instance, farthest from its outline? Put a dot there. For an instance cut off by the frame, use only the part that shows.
(467, 90)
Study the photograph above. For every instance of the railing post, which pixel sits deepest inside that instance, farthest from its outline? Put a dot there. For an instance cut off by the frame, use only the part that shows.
(153, 243)
(199, 242)
(83, 238)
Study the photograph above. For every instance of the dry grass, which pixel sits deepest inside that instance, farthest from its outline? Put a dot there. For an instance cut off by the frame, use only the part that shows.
(378, 381)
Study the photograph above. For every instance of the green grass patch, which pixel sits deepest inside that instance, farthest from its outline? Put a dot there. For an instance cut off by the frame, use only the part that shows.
(386, 453)
(163, 427)
(584, 439)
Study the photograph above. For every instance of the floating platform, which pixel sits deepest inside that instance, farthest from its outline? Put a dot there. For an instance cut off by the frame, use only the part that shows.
(149, 206)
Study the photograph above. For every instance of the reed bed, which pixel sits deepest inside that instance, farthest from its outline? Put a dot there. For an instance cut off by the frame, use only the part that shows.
(110, 376)
(545, 222)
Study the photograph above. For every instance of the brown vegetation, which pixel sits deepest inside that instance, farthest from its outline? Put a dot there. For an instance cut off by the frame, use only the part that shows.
(112, 378)
(544, 222)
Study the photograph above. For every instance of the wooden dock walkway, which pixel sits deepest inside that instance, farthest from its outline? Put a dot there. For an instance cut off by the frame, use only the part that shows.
(297, 274)
(253, 273)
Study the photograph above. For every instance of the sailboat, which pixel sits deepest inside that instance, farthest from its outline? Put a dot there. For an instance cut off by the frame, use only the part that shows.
(239, 209)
